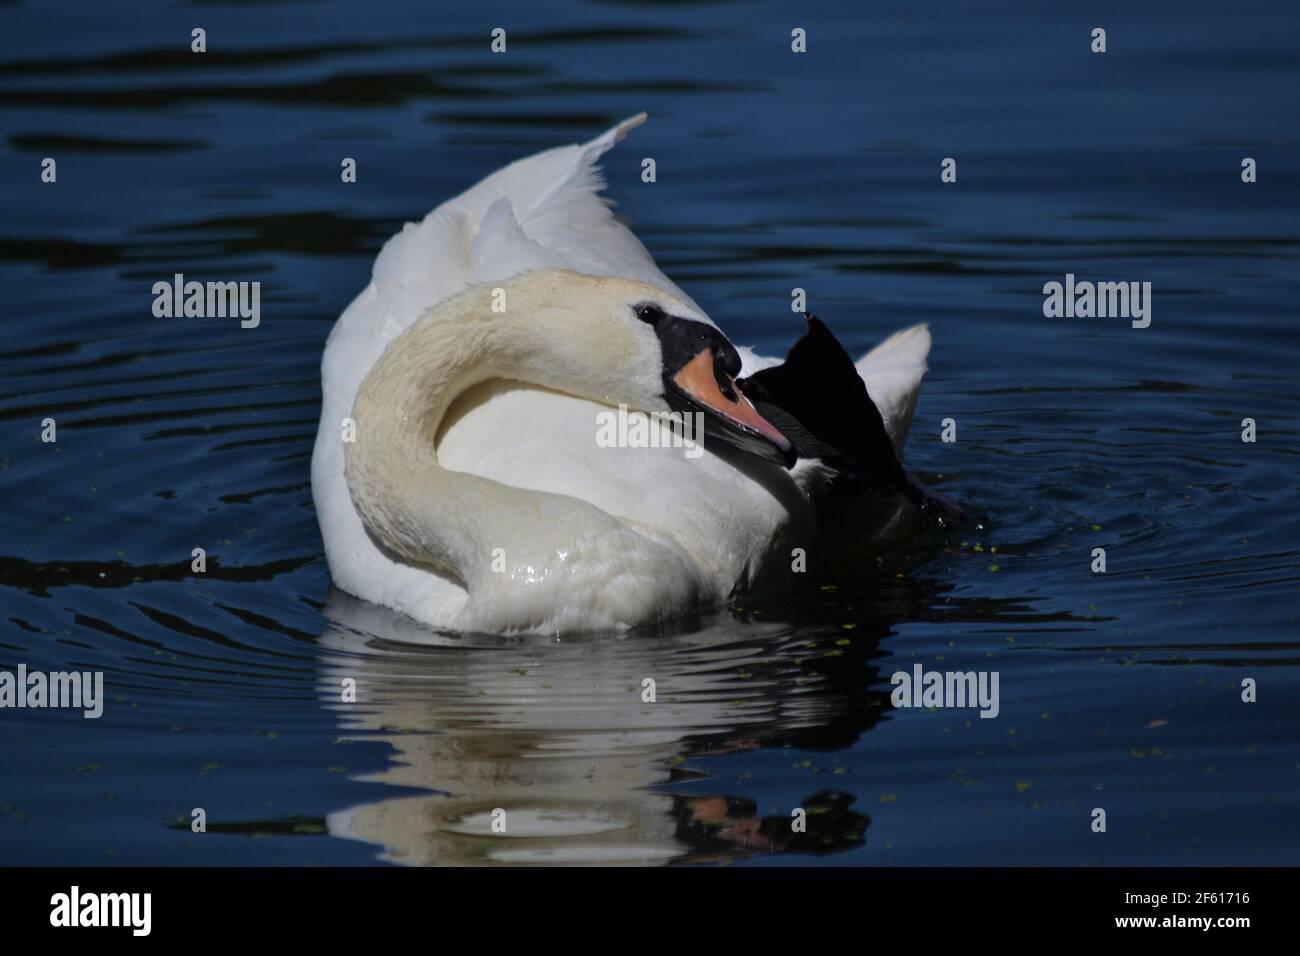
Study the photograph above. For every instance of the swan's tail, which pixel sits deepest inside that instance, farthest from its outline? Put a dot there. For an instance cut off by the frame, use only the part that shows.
(893, 371)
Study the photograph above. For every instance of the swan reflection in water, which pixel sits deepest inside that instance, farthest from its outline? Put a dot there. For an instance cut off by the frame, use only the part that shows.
(557, 735)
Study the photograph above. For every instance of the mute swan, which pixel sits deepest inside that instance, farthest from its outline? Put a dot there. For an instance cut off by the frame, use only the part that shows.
(456, 472)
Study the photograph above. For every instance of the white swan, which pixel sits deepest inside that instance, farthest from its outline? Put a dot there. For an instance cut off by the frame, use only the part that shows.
(456, 472)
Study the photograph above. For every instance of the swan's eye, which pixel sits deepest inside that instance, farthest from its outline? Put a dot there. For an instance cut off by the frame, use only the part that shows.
(649, 312)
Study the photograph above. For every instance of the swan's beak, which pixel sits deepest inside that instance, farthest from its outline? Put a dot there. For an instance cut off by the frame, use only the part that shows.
(701, 385)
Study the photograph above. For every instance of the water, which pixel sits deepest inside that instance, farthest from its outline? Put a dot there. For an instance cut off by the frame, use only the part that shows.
(1120, 691)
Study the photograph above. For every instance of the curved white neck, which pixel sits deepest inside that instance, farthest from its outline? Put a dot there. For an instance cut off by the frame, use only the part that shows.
(525, 558)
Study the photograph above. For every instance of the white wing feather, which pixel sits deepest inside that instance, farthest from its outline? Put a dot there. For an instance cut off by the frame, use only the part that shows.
(893, 371)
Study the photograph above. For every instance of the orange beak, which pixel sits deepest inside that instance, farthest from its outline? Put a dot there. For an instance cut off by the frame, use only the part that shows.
(699, 379)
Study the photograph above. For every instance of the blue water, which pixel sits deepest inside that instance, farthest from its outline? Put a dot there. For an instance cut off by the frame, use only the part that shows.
(1120, 691)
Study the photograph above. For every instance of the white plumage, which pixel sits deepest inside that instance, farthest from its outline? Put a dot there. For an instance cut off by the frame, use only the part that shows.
(664, 529)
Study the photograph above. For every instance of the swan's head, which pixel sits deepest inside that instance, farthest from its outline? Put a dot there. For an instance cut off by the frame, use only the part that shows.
(618, 341)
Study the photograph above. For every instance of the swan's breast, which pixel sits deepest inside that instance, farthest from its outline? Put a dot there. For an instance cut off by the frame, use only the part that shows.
(728, 524)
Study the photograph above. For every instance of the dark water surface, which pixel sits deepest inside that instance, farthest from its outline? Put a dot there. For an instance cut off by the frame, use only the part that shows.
(1120, 691)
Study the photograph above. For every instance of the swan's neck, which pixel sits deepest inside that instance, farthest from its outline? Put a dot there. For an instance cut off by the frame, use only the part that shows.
(523, 557)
